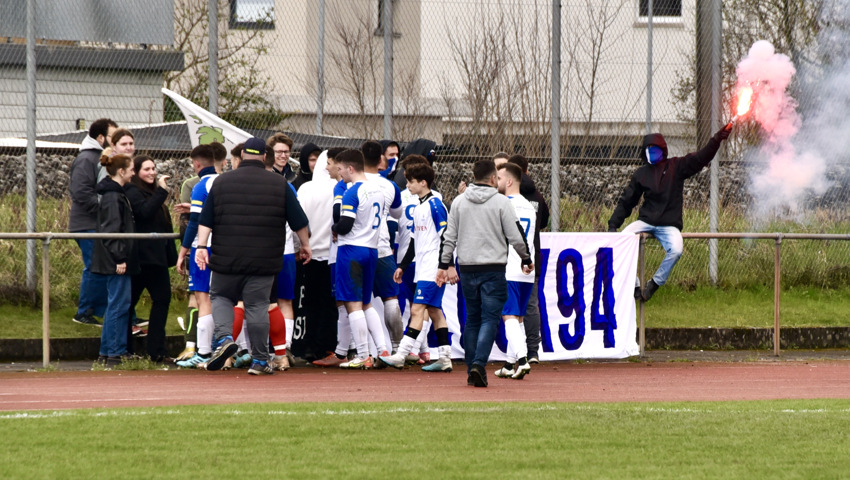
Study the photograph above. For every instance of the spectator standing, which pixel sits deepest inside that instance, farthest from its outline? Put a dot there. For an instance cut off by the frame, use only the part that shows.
(480, 226)
(281, 149)
(85, 173)
(307, 157)
(115, 260)
(147, 196)
(272, 205)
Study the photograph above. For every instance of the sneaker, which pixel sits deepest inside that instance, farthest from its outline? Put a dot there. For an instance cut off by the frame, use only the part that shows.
(280, 363)
(112, 362)
(649, 290)
(533, 360)
(478, 376)
(139, 332)
(507, 371)
(380, 365)
(243, 359)
(193, 362)
(186, 354)
(424, 358)
(521, 371)
(260, 368)
(441, 365)
(86, 319)
(411, 359)
(396, 361)
(330, 361)
(226, 349)
(140, 322)
(358, 363)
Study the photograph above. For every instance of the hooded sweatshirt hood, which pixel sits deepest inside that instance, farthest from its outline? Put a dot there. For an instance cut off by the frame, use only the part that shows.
(478, 193)
(304, 154)
(89, 143)
(320, 170)
(527, 186)
(420, 146)
(653, 139)
(108, 185)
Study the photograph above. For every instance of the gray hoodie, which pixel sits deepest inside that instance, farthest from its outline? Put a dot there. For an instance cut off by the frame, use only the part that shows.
(480, 222)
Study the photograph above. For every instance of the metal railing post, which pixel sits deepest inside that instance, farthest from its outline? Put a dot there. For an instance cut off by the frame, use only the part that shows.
(45, 302)
(777, 276)
(641, 273)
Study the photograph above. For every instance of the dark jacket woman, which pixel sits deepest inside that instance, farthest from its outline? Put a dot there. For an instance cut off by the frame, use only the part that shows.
(155, 256)
(115, 215)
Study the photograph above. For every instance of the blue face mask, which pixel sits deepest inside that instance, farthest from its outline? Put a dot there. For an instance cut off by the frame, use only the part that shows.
(654, 154)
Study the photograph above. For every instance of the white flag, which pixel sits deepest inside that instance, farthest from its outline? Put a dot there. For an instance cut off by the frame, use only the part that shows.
(204, 127)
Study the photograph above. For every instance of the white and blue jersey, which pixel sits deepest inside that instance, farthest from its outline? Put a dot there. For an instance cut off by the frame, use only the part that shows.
(429, 220)
(409, 201)
(392, 207)
(199, 197)
(364, 202)
(339, 191)
(527, 219)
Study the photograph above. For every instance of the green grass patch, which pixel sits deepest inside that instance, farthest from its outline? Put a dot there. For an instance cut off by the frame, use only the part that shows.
(764, 439)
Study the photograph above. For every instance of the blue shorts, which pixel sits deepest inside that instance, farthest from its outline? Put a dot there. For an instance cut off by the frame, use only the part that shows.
(355, 273)
(385, 286)
(286, 278)
(428, 293)
(199, 280)
(518, 295)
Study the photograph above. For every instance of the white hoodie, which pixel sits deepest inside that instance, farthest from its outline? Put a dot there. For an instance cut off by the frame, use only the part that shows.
(316, 198)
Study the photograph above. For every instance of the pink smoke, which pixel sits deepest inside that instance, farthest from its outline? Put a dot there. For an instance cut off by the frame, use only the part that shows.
(787, 176)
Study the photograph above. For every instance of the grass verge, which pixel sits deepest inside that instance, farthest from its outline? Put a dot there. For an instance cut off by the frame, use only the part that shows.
(762, 439)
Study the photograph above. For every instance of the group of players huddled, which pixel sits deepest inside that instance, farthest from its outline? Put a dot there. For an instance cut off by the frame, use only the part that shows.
(385, 242)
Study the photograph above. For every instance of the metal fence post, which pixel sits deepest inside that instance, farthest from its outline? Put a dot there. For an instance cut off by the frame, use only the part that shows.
(31, 135)
(555, 176)
(641, 273)
(45, 302)
(777, 275)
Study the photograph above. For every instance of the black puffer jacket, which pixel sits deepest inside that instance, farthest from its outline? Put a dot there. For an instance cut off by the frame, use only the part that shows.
(152, 216)
(661, 185)
(248, 210)
(115, 215)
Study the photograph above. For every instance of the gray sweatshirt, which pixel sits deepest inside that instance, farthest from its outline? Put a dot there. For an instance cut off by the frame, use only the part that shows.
(481, 224)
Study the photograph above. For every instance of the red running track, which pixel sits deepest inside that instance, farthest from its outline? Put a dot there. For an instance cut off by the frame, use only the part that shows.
(559, 382)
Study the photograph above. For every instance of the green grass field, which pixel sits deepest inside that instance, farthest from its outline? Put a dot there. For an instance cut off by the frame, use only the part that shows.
(748, 440)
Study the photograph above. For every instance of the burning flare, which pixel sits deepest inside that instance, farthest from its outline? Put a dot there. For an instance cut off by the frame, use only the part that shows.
(745, 99)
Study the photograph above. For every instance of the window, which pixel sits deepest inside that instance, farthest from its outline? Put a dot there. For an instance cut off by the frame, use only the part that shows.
(252, 14)
(660, 8)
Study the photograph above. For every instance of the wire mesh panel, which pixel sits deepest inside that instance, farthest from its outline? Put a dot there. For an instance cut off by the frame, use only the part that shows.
(474, 76)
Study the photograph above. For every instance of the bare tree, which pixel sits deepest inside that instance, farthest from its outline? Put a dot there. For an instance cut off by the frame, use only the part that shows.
(243, 90)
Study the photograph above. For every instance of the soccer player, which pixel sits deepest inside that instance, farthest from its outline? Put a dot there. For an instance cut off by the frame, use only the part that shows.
(357, 231)
(385, 287)
(199, 280)
(509, 178)
(343, 330)
(429, 221)
(409, 201)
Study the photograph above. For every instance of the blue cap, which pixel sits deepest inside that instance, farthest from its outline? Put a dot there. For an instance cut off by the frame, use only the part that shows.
(255, 146)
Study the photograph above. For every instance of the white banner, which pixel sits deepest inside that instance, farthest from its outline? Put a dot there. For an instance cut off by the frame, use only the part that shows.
(204, 127)
(586, 293)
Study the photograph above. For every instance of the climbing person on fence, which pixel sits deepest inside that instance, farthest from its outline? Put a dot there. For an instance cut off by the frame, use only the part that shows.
(661, 182)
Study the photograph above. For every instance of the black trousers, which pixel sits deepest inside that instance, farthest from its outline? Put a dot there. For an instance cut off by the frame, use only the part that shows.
(315, 311)
(156, 281)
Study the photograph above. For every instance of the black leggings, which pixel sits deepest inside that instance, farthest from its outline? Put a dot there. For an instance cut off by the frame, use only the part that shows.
(156, 281)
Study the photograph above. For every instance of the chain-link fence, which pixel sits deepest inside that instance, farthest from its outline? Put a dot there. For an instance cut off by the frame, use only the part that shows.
(474, 76)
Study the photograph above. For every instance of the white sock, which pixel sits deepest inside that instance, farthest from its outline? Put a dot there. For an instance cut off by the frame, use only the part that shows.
(422, 339)
(376, 329)
(516, 340)
(359, 332)
(445, 353)
(406, 345)
(290, 327)
(343, 332)
(392, 317)
(206, 328)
